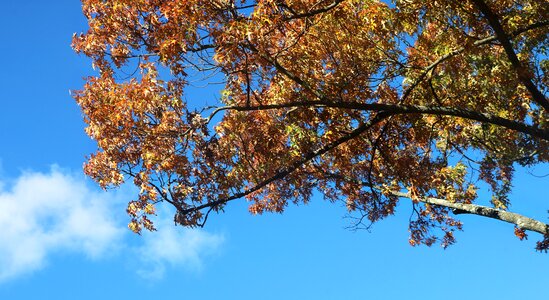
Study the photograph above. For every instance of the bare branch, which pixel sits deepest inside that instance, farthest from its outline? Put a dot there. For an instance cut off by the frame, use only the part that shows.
(520, 221)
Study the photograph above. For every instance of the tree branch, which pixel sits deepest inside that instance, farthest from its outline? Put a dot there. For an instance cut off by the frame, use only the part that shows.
(312, 13)
(291, 168)
(403, 109)
(396, 109)
(521, 71)
(457, 51)
(520, 221)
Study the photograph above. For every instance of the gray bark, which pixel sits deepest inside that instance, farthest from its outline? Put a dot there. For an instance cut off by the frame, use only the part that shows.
(522, 222)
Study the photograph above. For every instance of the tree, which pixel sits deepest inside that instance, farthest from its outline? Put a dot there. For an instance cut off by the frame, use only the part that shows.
(362, 101)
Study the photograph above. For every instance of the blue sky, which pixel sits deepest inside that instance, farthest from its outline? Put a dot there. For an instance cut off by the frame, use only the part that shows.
(61, 237)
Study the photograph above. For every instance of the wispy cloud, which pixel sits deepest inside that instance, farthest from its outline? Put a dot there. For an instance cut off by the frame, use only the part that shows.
(174, 247)
(43, 213)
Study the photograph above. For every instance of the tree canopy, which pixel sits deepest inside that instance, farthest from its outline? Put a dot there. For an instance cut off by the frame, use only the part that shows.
(362, 101)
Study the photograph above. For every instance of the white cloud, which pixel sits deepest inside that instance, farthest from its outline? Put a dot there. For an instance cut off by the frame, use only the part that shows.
(44, 213)
(174, 247)
(55, 212)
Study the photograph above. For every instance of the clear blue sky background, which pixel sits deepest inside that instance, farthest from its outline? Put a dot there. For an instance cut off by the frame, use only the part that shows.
(63, 238)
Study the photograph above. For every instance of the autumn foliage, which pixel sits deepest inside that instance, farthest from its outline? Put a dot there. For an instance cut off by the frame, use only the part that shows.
(362, 101)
